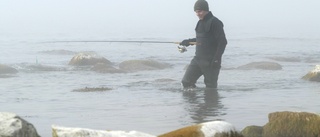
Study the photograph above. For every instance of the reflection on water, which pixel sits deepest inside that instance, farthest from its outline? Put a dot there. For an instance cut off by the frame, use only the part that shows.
(203, 105)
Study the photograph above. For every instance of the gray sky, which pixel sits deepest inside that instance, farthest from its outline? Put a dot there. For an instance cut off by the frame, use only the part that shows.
(158, 17)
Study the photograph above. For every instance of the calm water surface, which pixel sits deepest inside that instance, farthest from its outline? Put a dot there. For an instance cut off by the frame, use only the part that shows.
(152, 101)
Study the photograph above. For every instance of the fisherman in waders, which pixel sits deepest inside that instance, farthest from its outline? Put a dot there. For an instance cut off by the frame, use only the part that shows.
(210, 45)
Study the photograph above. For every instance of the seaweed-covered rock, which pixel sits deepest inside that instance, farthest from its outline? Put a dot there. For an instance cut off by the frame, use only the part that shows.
(313, 75)
(87, 59)
(11, 125)
(252, 131)
(4, 69)
(292, 124)
(140, 65)
(264, 65)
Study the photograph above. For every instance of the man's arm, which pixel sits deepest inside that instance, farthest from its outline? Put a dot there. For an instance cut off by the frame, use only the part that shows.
(219, 35)
(187, 43)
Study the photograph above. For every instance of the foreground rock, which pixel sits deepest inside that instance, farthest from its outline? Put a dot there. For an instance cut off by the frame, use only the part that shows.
(292, 124)
(209, 129)
(313, 75)
(252, 131)
(140, 65)
(87, 59)
(12, 125)
(264, 65)
(58, 131)
(287, 124)
(281, 124)
(4, 69)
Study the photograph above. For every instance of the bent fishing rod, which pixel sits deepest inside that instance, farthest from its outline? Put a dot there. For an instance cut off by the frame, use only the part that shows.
(181, 48)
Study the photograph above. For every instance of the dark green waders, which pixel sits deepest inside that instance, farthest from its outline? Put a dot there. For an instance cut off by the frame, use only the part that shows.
(198, 67)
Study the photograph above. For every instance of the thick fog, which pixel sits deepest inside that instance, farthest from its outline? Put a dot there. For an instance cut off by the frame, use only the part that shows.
(105, 19)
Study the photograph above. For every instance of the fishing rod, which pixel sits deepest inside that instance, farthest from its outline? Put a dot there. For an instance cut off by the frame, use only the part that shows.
(181, 48)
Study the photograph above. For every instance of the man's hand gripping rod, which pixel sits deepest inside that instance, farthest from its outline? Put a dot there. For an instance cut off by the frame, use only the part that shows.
(182, 48)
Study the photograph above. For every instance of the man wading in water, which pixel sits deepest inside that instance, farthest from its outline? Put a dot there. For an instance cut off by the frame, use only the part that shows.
(211, 43)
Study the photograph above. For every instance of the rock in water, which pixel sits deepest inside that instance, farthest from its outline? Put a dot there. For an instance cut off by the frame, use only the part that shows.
(105, 68)
(313, 75)
(140, 65)
(264, 65)
(87, 59)
(11, 125)
(4, 69)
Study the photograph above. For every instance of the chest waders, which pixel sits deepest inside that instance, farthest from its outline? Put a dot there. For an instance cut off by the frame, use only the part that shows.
(202, 63)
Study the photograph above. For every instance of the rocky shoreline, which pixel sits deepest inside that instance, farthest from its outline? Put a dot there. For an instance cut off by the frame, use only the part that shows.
(281, 124)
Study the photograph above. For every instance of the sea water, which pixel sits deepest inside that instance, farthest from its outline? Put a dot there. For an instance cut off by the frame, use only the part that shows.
(152, 101)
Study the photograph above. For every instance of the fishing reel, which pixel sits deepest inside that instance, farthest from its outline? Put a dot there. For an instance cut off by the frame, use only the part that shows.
(182, 48)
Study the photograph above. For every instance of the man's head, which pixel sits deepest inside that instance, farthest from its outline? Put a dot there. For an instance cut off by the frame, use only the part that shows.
(201, 5)
(201, 8)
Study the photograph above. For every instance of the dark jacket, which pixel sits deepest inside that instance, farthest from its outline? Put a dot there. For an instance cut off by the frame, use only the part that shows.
(210, 38)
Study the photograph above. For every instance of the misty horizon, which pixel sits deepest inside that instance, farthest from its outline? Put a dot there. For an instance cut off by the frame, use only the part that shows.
(159, 18)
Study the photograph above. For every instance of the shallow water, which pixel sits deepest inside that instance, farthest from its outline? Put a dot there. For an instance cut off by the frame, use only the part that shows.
(152, 101)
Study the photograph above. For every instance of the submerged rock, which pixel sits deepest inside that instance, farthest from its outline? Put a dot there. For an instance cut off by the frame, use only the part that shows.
(4, 69)
(313, 75)
(165, 80)
(105, 68)
(58, 52)
(264, 65)
(140, 65)
(286, 59)
(312, 60)
(11, 125)
(39, 67)
(292, 124)
(88, 89)
(6, 76)
(87, 59)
